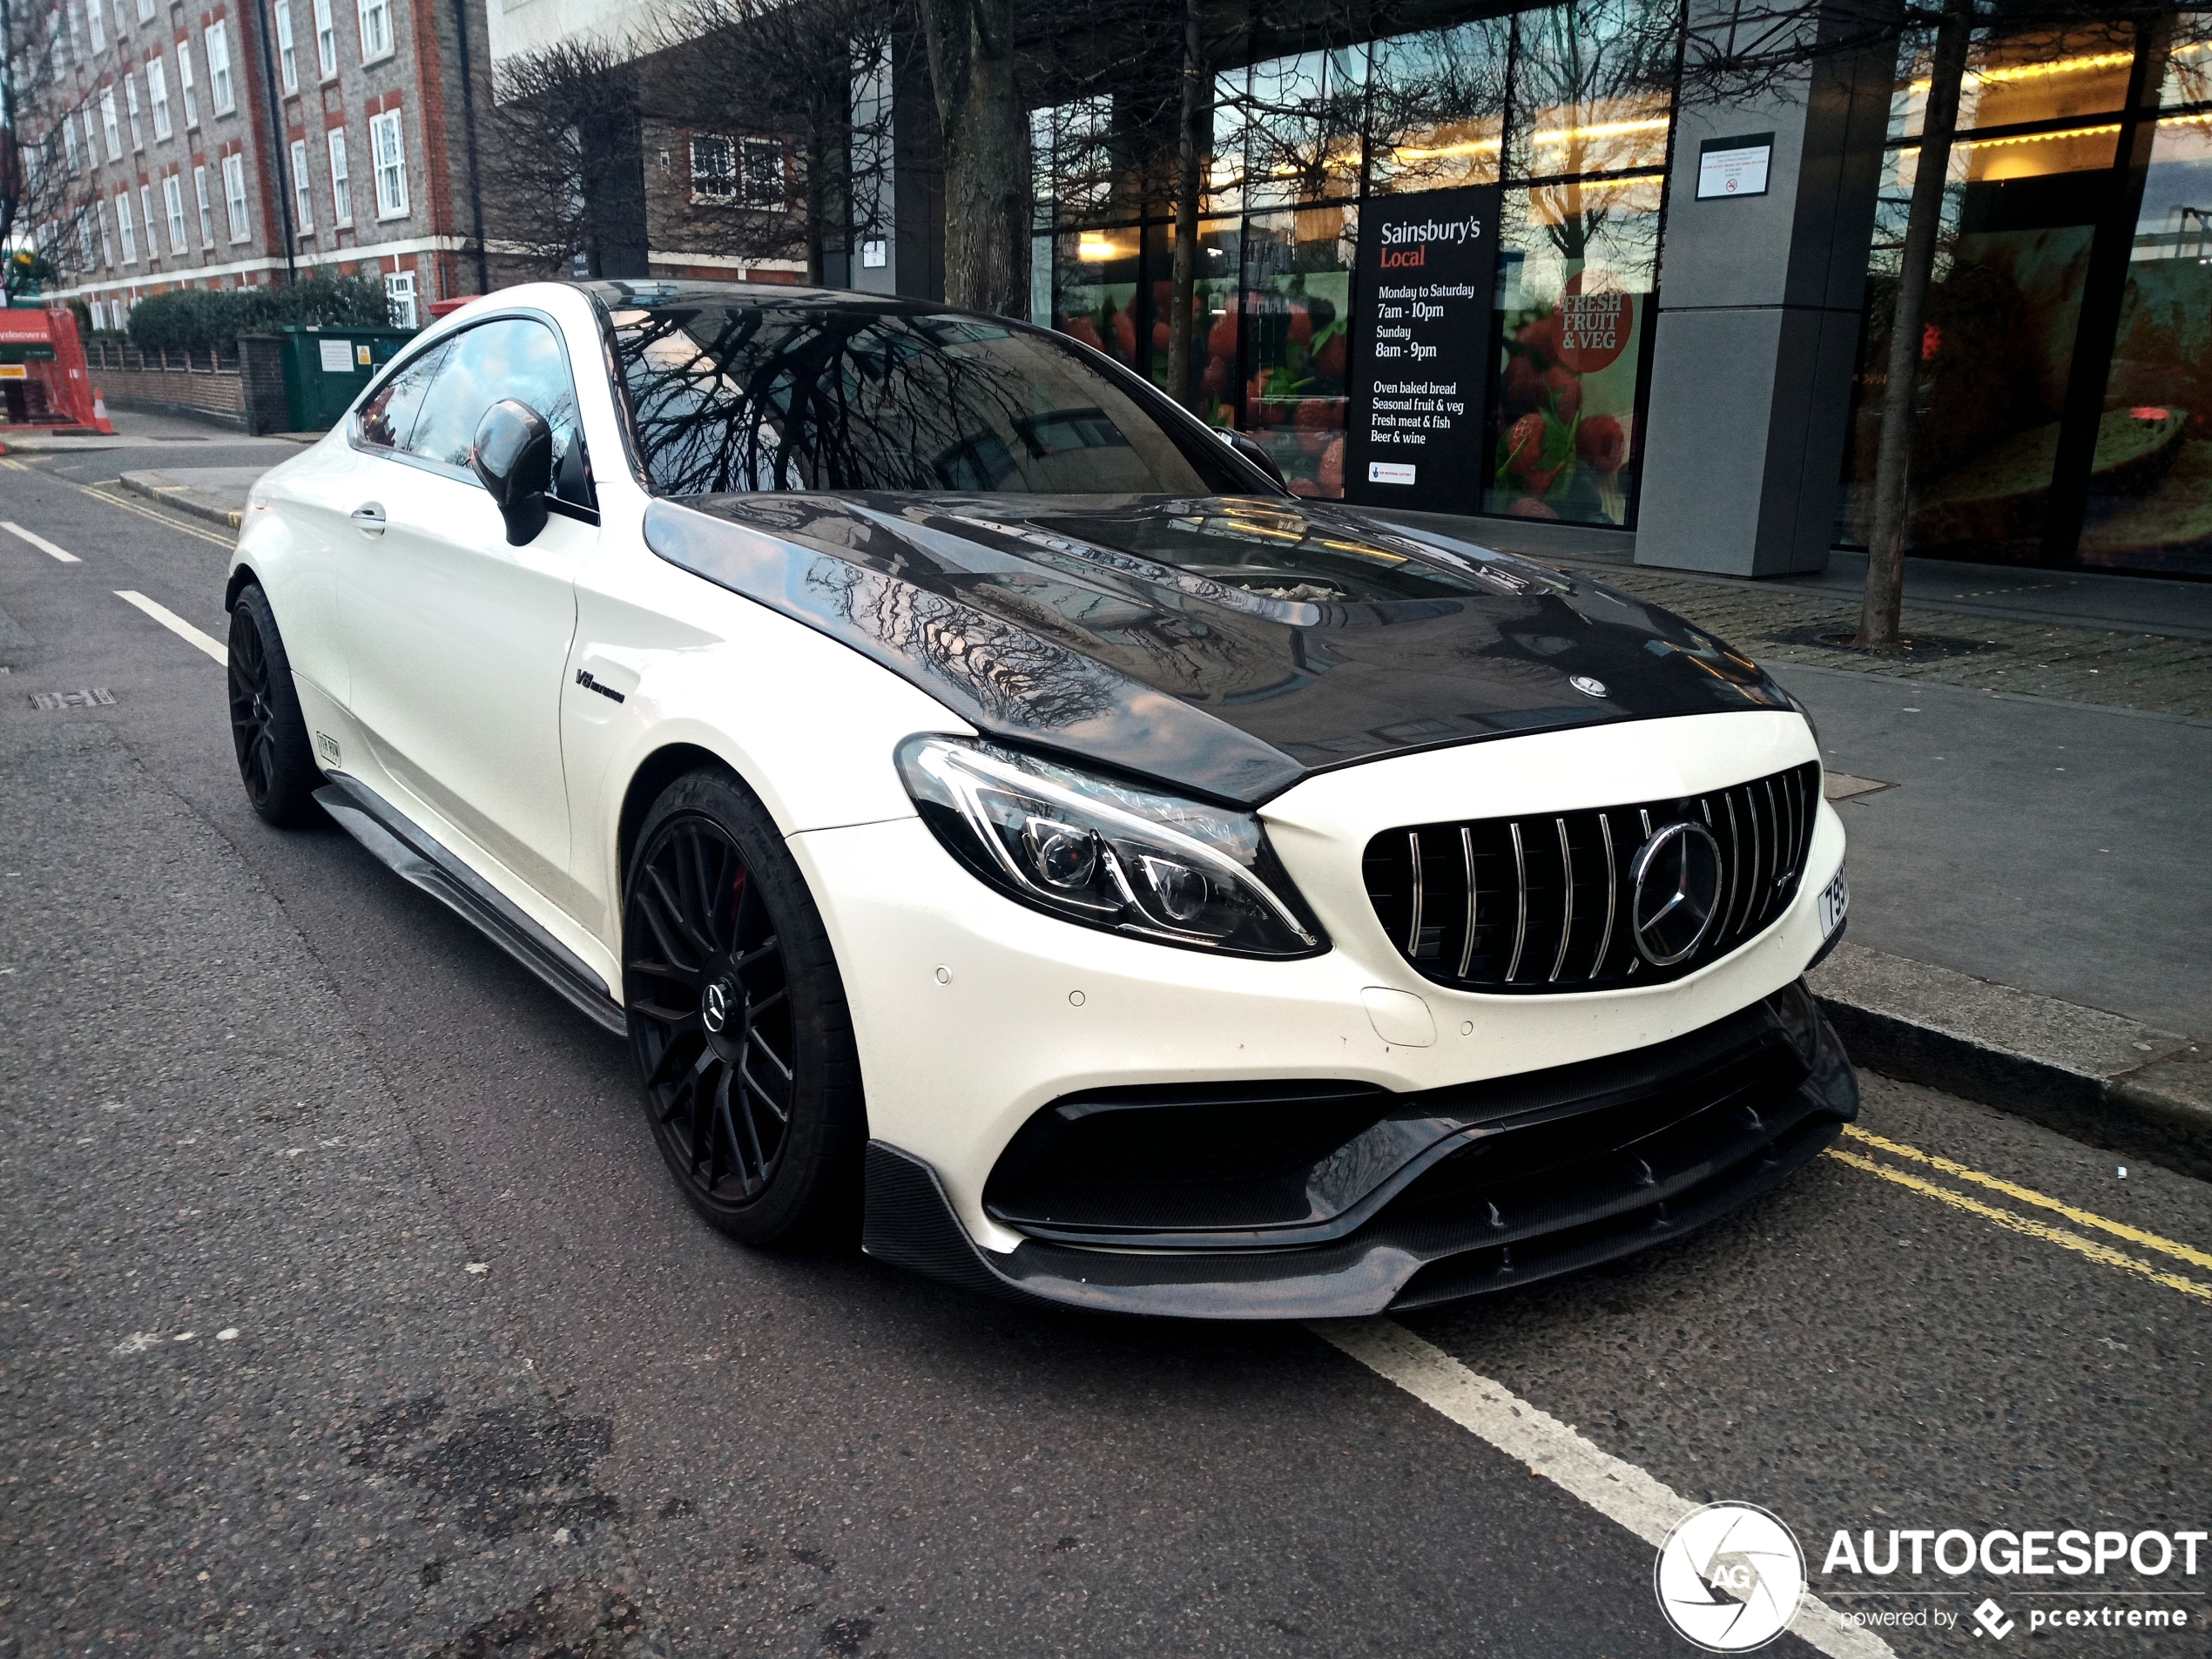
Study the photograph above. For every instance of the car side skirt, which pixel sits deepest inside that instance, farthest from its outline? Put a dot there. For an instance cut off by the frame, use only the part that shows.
(410, 851)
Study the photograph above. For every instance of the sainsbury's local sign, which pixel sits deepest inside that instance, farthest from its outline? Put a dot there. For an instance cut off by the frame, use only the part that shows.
(1428, 276)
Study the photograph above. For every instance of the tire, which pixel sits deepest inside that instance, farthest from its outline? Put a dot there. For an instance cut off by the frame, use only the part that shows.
(739, 1023)
(275, 761)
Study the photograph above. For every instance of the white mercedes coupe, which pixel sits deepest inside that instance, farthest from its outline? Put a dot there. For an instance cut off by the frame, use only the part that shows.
(1004, 822)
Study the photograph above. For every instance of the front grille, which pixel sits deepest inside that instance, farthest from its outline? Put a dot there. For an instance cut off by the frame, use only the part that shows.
(1542, 904)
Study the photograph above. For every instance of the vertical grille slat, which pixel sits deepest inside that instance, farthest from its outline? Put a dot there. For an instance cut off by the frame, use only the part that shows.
(1524, 904)
(1520, 901)
(1567, 921)
(1413, 927)
(1612, 888)
(1475, 888)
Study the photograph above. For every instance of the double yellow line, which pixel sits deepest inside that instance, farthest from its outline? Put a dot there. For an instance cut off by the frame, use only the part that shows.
(2012, 1221)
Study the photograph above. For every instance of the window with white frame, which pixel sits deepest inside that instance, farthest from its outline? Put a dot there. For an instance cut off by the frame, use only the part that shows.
(326, 40)
(714, 168)
(287, 59)
(303, 194)
(763, 177)
(57, 36)
(68, 145)
(206, 212)
(131, 108)
(377, 30)
(99, 316)
(184, 83)
(87, 246)
(96, 23)
(341, 181)
(158, 96)
(235, 197)
(146, 11)
(68, 44)
(218, 38)
(109, 129)
(399, 296)
(388, 160)
(145, 214)
(92, 144)
(173, 198)
(124, 229)
(107, 247)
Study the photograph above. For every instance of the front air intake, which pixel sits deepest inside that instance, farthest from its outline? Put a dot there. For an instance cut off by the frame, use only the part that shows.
(1549, 903)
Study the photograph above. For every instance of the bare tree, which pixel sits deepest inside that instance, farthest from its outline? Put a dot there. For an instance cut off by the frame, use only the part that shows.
(986, 136)
(561, 162)
(45, 190)
(771, 85)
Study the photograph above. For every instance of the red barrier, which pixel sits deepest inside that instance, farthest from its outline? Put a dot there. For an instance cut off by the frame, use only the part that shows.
(43, 379)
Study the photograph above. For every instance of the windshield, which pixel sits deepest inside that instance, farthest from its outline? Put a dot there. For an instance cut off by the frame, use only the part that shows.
(827, 397)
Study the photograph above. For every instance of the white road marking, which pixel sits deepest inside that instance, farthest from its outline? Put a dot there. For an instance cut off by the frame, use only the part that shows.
(176, 625)
(40, 542)
(1620, 1492)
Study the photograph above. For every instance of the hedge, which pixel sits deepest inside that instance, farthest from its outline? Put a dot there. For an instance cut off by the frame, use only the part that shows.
(200, 319)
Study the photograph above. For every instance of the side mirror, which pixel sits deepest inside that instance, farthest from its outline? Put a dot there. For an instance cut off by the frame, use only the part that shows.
(514, 461)
(1254, 453)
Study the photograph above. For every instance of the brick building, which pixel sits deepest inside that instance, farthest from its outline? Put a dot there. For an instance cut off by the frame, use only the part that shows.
(241, 143)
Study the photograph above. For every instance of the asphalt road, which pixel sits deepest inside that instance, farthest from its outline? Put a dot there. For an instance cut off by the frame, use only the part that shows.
(347, 1309)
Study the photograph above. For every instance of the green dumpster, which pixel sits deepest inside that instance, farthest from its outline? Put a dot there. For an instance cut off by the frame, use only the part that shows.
(326, 366)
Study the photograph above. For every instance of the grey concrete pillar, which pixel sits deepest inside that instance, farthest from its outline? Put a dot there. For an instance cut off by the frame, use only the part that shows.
(1759, 305)
(875, 198)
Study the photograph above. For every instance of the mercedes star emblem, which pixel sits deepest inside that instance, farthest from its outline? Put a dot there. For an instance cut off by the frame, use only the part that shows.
(1676, 892)
(1588, 686)
(715, 1012)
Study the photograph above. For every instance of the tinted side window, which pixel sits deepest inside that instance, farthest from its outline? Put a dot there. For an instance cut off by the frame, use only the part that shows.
(513, 357)
(389, 418)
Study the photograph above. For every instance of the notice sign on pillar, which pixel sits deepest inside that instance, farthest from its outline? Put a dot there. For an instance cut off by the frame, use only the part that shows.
(1734, 167)
(1429, 266)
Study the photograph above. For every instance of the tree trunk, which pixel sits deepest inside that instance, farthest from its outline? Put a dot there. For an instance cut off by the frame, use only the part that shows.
(986, 153)
(1191, 139)
(1877, 615)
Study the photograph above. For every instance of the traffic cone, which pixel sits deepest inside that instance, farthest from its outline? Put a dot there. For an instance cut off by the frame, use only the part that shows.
(99, 414)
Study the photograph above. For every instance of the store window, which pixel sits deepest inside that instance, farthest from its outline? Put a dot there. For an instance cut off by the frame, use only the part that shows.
(1569, 107)
(2065, 365)
(1590, 89)
(1579, 261)
(2150, 503)
(1436, 108)
(1298, 319)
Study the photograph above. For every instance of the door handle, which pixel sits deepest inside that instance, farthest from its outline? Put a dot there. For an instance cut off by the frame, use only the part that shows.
(368, 517)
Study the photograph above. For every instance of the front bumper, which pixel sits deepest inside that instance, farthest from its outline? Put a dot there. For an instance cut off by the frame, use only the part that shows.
(1446, 1194)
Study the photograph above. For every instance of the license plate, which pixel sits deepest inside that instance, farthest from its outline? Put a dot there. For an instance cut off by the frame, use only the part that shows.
(1835, 900)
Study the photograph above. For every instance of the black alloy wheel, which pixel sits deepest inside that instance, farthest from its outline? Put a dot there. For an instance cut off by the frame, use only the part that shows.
(275, 761)
(737, 1018)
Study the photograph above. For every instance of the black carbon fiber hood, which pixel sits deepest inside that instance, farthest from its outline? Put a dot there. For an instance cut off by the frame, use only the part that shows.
(1225, 646)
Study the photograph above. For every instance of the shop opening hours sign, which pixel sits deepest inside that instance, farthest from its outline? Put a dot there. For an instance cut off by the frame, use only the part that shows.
(1428, 282)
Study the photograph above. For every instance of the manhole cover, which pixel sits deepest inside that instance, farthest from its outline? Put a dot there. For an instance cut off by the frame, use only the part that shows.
(97, 697)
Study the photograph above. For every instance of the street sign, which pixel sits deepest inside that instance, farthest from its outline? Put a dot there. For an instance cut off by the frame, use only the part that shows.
(1428, 282)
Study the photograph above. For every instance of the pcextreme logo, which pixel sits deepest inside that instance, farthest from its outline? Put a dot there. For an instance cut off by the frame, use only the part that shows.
(1730, 1577)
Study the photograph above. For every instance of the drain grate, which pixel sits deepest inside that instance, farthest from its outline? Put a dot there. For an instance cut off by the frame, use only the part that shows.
(97, 696)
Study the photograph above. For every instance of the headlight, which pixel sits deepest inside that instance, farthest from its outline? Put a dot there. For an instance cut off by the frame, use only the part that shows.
(1105, 854)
